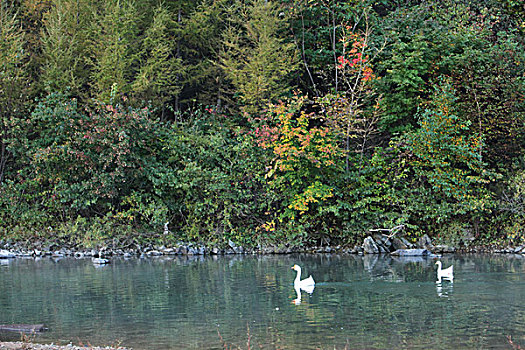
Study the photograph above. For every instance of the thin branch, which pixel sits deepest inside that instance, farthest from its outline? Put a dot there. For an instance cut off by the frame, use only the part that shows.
(393, 231)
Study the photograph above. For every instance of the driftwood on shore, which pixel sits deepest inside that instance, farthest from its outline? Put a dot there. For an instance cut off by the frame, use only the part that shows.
(26, 328)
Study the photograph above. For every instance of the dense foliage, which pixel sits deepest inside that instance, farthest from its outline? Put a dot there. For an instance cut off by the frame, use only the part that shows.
(262, 122)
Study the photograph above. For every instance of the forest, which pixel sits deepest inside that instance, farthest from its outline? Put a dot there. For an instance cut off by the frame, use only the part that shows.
(302, 122)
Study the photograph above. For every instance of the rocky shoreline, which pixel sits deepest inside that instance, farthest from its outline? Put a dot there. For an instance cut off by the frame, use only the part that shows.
(373, 244)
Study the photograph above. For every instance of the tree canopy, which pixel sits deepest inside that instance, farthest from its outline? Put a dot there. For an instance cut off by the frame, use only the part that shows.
(262, 121)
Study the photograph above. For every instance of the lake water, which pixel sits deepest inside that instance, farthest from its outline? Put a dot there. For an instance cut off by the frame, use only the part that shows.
(242, 302)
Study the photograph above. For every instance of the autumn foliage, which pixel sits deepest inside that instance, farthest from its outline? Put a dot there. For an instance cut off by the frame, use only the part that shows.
(262, 122)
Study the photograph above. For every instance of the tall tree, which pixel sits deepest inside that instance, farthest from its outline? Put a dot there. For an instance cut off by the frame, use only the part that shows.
(258, 59)
(114, 47)
(160, 72)
(63, 45)
(13, 83)
(199, 46)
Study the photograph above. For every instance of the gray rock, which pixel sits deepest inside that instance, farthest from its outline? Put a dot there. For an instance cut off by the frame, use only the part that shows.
(444, 249)
(520, 249)
(382, 239)
(369, 246)
(398, 244)
(411, 252)
(24, 254)
(349, 250)
(407, 243)
(153, 253)
(383, 249)
(169, 251)
(58, 254)
(384, 243)
(424, 242)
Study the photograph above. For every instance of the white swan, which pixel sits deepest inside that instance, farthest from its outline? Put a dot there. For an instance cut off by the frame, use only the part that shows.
(447, 273)
(305, 284)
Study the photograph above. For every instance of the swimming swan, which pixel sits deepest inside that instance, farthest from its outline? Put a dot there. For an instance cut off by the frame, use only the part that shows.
(304, 284)
(447, 273)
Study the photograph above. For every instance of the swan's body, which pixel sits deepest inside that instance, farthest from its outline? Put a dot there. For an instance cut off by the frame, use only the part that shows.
(447, 273)
(305, 284)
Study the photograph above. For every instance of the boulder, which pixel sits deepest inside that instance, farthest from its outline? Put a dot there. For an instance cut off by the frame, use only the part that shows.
(444, 249)
(383, 243)
(398, 244)
(411, 252)
(153, 253)
(384, 240)
(369, 246)
(5, 254)
(407, 243)
(424, 242)
(169, 251)
(520, 249)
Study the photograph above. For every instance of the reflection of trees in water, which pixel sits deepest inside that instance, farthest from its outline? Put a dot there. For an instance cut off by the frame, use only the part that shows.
(367, 301)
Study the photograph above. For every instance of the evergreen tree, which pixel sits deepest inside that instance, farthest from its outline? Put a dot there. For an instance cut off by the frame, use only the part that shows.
(63, 39)
(257, 58)
(158, 79)
(198, 46)
(13, 83)
(113, 47)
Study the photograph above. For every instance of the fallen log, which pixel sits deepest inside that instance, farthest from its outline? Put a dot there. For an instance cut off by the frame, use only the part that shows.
(25, 328)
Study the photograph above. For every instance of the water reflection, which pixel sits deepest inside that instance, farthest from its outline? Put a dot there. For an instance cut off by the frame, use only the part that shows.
(359, 302)
(298, 289)
(444, 290)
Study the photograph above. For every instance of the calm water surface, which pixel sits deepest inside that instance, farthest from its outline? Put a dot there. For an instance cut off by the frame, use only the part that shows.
(248, 302)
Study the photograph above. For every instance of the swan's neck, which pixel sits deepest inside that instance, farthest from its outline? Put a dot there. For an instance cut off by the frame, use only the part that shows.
(298, 276)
